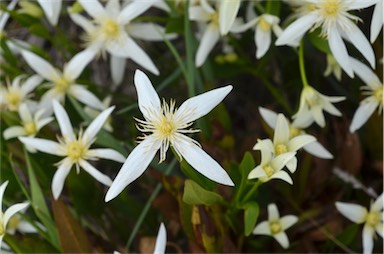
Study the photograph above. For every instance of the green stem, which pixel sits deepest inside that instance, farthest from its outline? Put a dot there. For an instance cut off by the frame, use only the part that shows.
(269, 6)
(147, 206)
(252, 191)
(302, 66)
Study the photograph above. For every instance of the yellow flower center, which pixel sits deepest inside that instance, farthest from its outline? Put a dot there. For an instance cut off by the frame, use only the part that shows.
(30, 128)
(62, 84)
(378, 94)
(13, 99)
(215, 18)
(110, 28)
(330, 8)
(280, 149)
(76, 150)
(269, 171)
(165, 127)
(265, 26)
(373, 218)
(13, 222)
(275, 227)
(293, 132)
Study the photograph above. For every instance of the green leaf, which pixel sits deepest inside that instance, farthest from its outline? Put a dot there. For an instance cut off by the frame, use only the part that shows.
(194, 194)
(195, 176)
(251, 213)
(319, 42)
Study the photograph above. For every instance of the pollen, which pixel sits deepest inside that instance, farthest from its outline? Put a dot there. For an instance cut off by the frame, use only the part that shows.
(62, 84)
(378, 94)
(76, 150)
(275, 227)
(13, 99)
(166, 127)
(280, 149)
(330, 8)
(110, 28)
(373, 218)
(30, 128)
(269, 171)
(264, 25)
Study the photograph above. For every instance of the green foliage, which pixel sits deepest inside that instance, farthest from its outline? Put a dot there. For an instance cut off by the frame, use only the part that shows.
(194, 194)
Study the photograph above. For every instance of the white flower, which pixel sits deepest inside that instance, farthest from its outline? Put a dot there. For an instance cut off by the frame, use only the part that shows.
(228, 10)
(336, 23)
(107, 30)
(373, 88)
(6, 216)
(18, 92)
(276, 226)
(63, 83)
(94, 113)
(312, 104)
(30, 124)
(51, 9)
(75, 150)
(377, 20)
(372, 219)
(17, 223)
(332, 67)
(314, 148)
(161, 240)
(168, 126)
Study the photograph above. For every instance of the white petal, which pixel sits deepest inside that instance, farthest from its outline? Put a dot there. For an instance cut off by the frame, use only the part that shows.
(106, 153)
(287, 221)
(239, 27)
(282, 175)
(202, 162)
(353, 212)
(161, 240)
(31, 83)
(380, 228)
(112, 7)
(273, 212)
(355, 5)
(365, 74)
(133, 10)
(368, 233)
(202, 104)
(64, 122)
(281, 135)
(26, 227)
(262, 229)
(318, 150)
(83, 22)
(24, 113)
(257, 173)
(361, 43)
(281, 160)
(5, 16)
(197, 13)
(117, 65)
(362, 114)
(51, 10)
(94, 128)
(210, 37)
(296, 30)
(378, 204)
(82, 94)
(263, 41)
(104, 179)
(377, 21)
(40, 66)
(13, 132)
(317, 113)
(60, 176)
(227, 13)
(339, 51)
(282, 238)
(2, 190)
(135, 165)
(299, 141)
(44, 145)
(148, 32)
(12, 210)
(292, 164)
(76, 65)
(41, 123)
(93, 8)
(147, 95)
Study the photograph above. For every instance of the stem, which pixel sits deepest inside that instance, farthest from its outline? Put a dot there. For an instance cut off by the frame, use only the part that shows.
(147, 206)
(269, 6)
(302, 66)
(190, 54)
(252, 191)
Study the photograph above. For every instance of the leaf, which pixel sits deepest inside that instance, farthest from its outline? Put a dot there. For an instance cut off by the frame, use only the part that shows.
(319, 42)
(71, 235)
(194, 194)
(251, 213)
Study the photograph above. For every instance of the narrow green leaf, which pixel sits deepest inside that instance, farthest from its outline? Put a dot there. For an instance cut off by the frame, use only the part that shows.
(194, 194)
(251, 213)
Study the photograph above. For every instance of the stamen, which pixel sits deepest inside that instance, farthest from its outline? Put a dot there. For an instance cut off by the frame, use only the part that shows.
(280, 149)
(30, 128)
(275, 227)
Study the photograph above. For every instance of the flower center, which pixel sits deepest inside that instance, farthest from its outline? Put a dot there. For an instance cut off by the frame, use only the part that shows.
(13, 222)
(30, 128)
(378, 94)
(13, 99)
(62, 84)
(330, 8)
(110, 28)
(265, 26)
(215, 18)
(269, 171)
(275, 227)
(293, 132)
(280, 149)
(373, 218)
(75, 150)
(166, 127)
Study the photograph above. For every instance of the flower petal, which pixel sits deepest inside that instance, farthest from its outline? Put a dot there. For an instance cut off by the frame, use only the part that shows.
(292, 164)
(82, 21)
(257, 173)
(26, 227)
(262, 229)
(210, 38)
(262, 40)
(227, 13)
(202, 162)
(135, 165)
(31, 83)
(368, 233)
(339, 51)
(64, 122)
(12, 210)
(106, 153)
(282, 238)
(365, 74)
(197, 13)
(273, 212)
(378, 204)
(377, 21)
(94, 8)
(282, 175)
(281, 135)
(59, 177)
(51, 10)
(104, 179)
(161, 240)
(146, 94)
(44, 145)
(13, 132)
(362, 114)
(134, 9)
(2, 190)
(299, 141)
(25, 114)
(281, 160)
(117, 65)
(40, 66)
(94, 128)
(356, 5)
(318, 150)
(380, 228)
(202, 104)
(148, 32)
(85, 96)
(353, 212)
(76, 65)
(287, 221)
